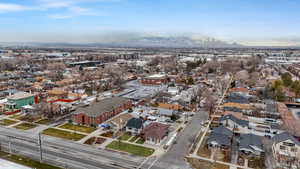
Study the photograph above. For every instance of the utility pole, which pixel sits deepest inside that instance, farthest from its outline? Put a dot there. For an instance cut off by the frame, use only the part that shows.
(41, 150)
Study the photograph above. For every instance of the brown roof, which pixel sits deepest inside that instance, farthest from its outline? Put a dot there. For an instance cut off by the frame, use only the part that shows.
(239, 89)
(121, 119)
(155, 130)
(238, 105)
(169, 106)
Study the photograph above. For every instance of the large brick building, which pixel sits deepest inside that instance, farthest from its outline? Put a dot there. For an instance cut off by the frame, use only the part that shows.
(98, 112)
(156, 79)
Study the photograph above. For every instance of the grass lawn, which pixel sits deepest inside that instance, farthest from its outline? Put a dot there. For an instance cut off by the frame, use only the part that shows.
(201, 164)
(26, 161)
(82, 129)
(25, 126)
(203, 151)
(131, 149)
(125, 137)
(63, 134)
(43, 121)
(7, 122)
(16, 116)
(133, 139)
(140, 141)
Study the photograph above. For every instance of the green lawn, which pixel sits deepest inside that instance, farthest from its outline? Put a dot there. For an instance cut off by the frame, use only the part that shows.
(83, 129)
(133, 139)
(125, 137)
(140, 141)
(26, 161)
(130, 148)
(43, 121)
(16, 116)
(63, 134)
(25, 126)
(7, 122)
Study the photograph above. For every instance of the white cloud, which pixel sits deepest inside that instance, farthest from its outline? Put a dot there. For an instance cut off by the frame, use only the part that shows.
(6, 7)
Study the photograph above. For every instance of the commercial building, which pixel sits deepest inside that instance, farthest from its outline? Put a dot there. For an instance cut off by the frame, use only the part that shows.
(98, 112)
(156, 79)
(20, 99)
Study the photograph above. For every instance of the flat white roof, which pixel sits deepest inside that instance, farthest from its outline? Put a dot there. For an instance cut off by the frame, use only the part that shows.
(10, 165)
(156, 76)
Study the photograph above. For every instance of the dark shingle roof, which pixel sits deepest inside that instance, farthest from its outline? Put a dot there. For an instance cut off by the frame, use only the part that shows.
(248, 140)
(223, 130)
(135, 123)
(236, 120)
(220, 139)
(105, 105)
(284, 136)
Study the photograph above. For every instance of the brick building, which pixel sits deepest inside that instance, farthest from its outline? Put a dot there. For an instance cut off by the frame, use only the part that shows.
(156, 79)
(98, 112)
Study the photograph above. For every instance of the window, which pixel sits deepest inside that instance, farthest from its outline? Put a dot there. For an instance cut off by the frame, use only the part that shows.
(294, 150)
(282, 147)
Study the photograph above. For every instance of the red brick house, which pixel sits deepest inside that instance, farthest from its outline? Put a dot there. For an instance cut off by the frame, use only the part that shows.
(98, 112)
(156, 79)
(155, 132)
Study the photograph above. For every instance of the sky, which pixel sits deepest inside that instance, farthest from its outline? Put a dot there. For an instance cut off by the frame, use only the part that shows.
(249, 22)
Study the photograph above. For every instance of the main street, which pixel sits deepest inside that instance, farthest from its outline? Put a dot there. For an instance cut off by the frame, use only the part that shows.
(65, 153)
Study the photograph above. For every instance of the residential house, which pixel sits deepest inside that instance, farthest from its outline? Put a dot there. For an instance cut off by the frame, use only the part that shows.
(251, 145)
(100, 111)
(135, 126)
(120, 121)
(286, 150)
(220, 137)
(155, 132)
(234, 124)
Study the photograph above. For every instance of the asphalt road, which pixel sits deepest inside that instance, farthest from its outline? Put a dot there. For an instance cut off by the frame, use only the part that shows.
(70, 154)
(175, 157)
(67, 153)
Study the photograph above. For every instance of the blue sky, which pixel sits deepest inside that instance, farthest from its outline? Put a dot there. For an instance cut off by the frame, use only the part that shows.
(245, 21)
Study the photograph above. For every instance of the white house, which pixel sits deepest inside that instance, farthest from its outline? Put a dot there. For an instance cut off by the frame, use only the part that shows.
(286, 150)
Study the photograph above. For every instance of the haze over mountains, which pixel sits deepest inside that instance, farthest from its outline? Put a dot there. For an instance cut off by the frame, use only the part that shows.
(117, 39)
(137, 41)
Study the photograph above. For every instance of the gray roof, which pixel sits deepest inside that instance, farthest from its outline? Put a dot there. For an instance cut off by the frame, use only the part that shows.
(135, 123)
(105, 105)
(283, 137)
(247, 140)
(271, 106)
(223, 130)
(221, 139)
(236, 120)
